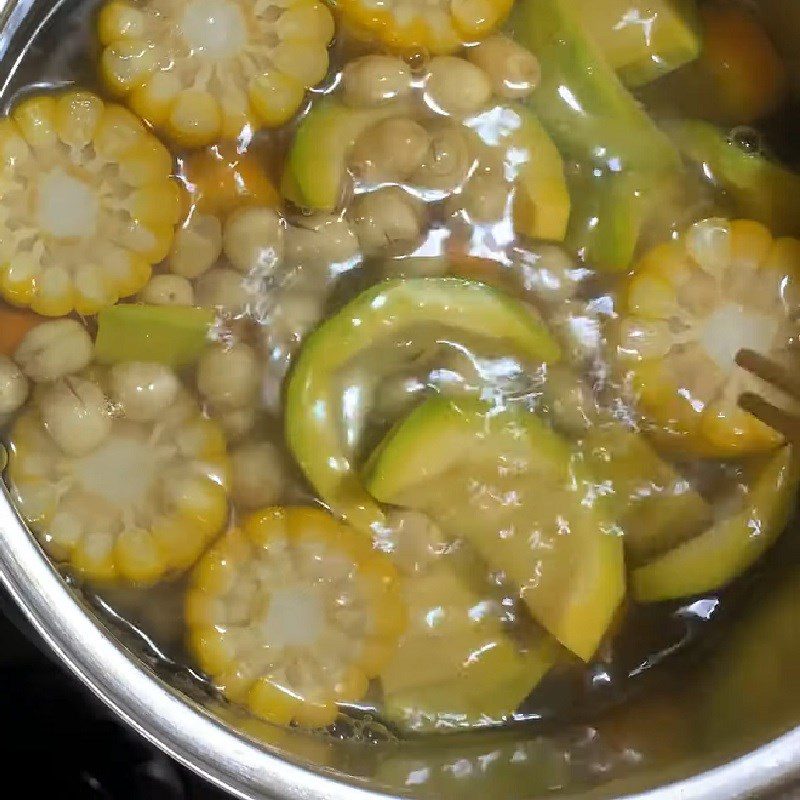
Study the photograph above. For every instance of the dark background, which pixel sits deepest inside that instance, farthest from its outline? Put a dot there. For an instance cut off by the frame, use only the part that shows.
(60, 742)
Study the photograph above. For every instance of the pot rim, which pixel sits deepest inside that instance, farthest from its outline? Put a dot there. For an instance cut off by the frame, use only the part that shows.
(192, 735)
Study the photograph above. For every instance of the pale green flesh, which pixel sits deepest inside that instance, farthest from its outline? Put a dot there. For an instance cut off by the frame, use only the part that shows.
(170, 335)
(314, 408)
(732, 545)
(761, 188)
(513, 489)
(456, 666)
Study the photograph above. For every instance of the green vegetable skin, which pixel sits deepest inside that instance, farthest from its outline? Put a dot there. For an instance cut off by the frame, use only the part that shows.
(762, 189)
(456, 667)
(505, 482)
(621, 154)
(313, 409)
(730, 546)
(317, 162)
(655, 506)
(171, 335)
(642, 39)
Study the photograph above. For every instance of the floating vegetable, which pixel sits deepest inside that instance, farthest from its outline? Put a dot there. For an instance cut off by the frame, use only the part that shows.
(731, 545)
(294, 614)
(119, 475)
(171, 335)
(456, 665)
(693, 303)
(206, 69)
(87, 204)
(656, 507)
(505, 482)
(381, 313)
(643, 40)
(437, 26)
(761, 188)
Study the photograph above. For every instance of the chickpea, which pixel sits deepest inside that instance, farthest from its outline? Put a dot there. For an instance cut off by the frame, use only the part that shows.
(229, 377)
(54, 349)
(196, 246)
(389, 151)
(257, 475)
(568, 400)
(375, 80)
(387, 220)
(513, 70)
(144, 390)
(168, 290)
(485, 198)
(321, 238)
(76, 413)
(548, 272)
(236, 422)
(253, 240)
(13, 386)
(447, 162)
(295, 314)
(456, 87)
(223, 289)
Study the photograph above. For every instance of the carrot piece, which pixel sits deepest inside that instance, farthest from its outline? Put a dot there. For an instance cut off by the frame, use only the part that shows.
(14, 324)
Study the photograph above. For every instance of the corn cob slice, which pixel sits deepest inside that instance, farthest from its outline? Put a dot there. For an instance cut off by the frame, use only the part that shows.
(137, 503)
(692, 305)
(294, 614)
(87, 204)
(205, 69)
(437, 26)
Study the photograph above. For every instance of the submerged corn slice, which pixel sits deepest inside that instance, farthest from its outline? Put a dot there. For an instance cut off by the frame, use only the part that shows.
(437, 26)
(294, 614)
(205, 69)
(140, 504)
(692, 305)
(86, 205)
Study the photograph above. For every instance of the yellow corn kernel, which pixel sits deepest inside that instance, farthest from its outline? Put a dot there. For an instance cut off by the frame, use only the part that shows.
(177, 541)
(146, 162)
(18, 280)
(213, 649)
(55, 295)
(276, 704)
(194, 118)
(202, 439)
(36, 500)
(651, 297)
(275, 97)
(93, 289)
(154, 98)
(352, 683)
(119, 20)
(36, 120)
(784, 256)
(202, 502)
(93, 557)
(77, 115)
(305, 62)
(152, 242)
(14, 150)
(117, 132)
(309, 20)
(157, 203)
(750, 243)
(126, 64)
(137, 557)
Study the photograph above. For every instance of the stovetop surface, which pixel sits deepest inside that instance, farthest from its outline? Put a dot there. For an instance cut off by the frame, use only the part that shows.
(61, 742)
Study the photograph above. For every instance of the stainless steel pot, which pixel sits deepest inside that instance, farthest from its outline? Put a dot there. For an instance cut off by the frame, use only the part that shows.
(732, 741)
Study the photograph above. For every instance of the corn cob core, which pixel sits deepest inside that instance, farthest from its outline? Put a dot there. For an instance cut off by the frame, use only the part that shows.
(294, 614)
(205, 69)
(435, 26)
(693, 304)
(141, 504)
(86, 205)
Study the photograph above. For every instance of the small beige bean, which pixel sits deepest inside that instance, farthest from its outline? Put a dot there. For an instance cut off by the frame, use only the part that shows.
(196, 246)
(320, 238)
(257, 475)
(375, 80)
(253, 240)
(229, 377)
(168, 290)
(485, 198)
(389, 151)
(456, 86)
(447, 161)
(513, 70)
(224, 289)
(13, 386)
(387, 221)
